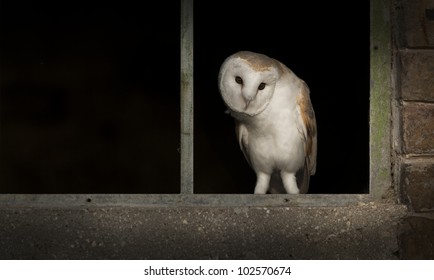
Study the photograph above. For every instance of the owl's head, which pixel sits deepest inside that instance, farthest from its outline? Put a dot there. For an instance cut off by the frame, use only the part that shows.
(247, 81)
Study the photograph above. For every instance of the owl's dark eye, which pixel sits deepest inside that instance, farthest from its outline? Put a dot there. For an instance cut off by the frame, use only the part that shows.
(239, 80)
(261, 86)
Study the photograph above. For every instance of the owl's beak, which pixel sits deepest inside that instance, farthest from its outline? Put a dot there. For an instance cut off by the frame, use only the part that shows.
(248, 98)
(249, 94)
(247, 104)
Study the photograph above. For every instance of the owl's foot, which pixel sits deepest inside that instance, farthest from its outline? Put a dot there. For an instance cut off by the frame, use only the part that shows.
(262, 183)
(289, 182)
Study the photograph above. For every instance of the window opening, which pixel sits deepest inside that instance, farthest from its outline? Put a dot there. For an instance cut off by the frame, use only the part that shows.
(207, 178)
(314, 42)
(89, 97)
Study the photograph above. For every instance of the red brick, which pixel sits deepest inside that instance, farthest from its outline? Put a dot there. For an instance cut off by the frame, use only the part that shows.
(416, 21)
(417, 75)
(416, 238)
(417, 183)
(418, 128)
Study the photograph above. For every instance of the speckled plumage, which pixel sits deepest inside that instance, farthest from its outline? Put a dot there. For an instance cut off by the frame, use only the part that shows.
(274, 119)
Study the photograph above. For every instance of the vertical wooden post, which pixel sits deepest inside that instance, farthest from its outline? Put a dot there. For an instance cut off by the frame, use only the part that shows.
(186, 96)
(381, 98)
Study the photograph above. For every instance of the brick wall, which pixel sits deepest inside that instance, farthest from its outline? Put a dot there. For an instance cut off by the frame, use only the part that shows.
(414, 122)
(414, 84)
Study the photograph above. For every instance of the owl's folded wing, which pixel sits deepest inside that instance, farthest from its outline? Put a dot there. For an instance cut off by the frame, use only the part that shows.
(308, 123)
(242, 136)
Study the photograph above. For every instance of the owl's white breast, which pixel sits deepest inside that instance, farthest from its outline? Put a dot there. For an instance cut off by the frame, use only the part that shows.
(273, 138)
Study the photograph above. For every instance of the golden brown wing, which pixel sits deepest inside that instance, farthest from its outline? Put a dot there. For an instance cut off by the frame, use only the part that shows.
(310, 132)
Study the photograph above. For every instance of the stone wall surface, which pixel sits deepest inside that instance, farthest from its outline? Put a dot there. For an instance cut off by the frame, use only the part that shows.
(363, 231)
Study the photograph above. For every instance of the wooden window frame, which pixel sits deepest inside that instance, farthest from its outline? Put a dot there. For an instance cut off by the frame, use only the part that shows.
(380, 140)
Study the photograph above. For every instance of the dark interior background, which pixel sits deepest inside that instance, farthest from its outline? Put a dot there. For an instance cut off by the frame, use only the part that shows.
(89, 97)
(90, 92)
(325, 44)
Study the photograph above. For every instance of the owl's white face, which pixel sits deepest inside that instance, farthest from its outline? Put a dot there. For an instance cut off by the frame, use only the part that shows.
(247, 81)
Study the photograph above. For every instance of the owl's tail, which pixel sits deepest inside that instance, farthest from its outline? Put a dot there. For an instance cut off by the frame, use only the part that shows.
(303, 178)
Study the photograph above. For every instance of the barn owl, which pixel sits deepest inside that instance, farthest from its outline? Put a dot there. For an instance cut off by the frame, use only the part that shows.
(274, 120)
